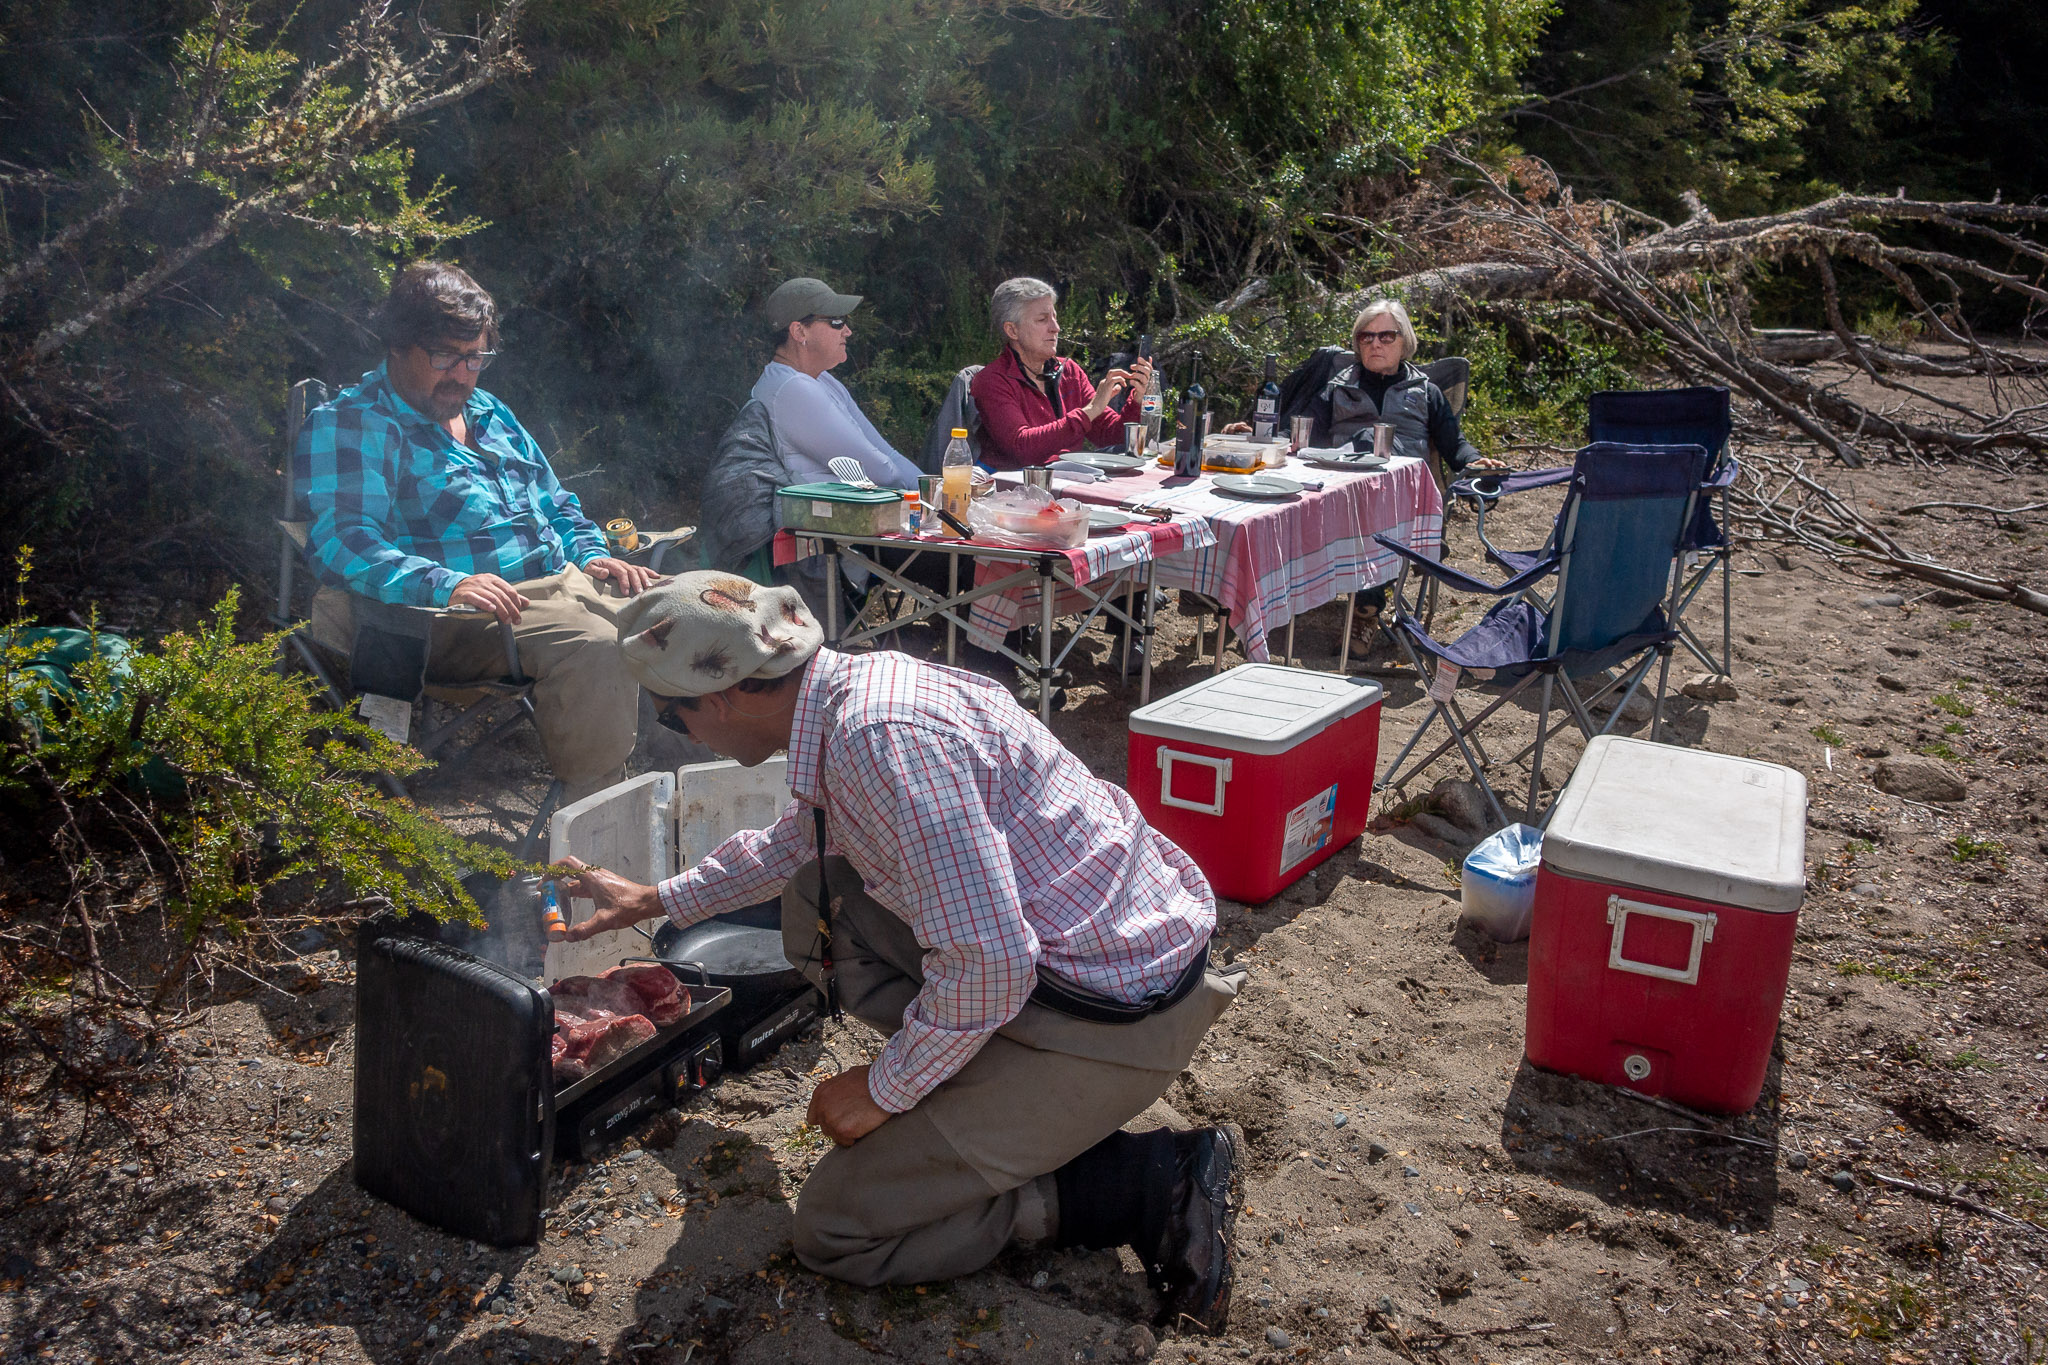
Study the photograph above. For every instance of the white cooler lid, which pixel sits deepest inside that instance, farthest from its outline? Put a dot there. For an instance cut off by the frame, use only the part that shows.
(1255, 708)
(1710, 827)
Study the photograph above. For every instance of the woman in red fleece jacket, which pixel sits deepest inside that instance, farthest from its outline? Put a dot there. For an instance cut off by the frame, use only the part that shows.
(1036, 405)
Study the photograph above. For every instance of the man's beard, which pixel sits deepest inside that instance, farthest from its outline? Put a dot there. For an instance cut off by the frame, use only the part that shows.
(446, 401)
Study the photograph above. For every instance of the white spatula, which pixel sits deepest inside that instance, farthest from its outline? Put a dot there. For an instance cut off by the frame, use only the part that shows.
(849, 471)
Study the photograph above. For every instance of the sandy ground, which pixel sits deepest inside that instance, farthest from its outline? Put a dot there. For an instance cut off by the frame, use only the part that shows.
(1415, 1190)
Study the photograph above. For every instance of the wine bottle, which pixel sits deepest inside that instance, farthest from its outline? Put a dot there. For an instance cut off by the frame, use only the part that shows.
(1266, 407)
(1194, 407)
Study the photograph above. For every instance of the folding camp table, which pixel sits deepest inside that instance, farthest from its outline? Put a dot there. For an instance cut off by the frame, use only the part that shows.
(1001, 582)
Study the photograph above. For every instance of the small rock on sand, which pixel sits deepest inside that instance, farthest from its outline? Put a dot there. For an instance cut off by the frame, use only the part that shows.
(1919, 779)
(1709, 687)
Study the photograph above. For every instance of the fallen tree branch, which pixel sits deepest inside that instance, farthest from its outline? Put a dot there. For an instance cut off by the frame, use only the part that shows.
(1976, 507)
(1939, 1196)
(1780, 501)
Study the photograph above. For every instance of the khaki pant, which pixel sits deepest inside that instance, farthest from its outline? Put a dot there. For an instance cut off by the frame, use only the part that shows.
(941, 1190)
(587, 707)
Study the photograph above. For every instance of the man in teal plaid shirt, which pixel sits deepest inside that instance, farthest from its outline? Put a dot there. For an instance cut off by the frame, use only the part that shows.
(425, 490)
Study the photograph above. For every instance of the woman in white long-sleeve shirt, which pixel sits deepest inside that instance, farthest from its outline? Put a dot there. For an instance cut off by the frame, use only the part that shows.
(813, 415)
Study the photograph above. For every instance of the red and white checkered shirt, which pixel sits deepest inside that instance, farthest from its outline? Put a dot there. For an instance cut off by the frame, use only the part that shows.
(994, 844)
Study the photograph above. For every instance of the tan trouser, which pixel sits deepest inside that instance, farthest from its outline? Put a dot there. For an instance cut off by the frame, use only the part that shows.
(585, 703)
(940, 1190)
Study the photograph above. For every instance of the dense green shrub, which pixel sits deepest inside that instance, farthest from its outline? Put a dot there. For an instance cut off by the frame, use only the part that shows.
(270, 787)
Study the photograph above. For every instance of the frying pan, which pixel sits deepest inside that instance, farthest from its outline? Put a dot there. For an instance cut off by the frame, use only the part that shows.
(741, 950)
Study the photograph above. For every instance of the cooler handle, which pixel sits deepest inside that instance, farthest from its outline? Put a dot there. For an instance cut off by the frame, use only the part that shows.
(1618, 911)
(1167, 758)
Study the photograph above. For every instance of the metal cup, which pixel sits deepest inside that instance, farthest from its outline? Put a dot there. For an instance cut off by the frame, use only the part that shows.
(1134, 437)
(1383, 440)
(1301, 430)
(1038, 476)
(1153, 424)
(931, 495)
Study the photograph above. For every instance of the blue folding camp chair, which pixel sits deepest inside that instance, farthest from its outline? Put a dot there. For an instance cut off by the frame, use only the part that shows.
(1608, 564)
(1695, 416)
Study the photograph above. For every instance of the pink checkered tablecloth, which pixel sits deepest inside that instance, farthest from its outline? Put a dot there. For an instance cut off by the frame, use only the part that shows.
(1268, 562)
(1097, 559)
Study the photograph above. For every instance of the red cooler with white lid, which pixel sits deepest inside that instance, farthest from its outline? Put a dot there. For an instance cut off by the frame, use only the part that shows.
(1666, 904)
(1259, 773)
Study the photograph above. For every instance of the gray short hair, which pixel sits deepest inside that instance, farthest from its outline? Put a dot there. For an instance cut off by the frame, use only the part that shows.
(1007, 303)
(1396, 310)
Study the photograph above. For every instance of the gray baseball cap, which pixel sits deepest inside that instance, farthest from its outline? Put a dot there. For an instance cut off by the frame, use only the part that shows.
(806, 297)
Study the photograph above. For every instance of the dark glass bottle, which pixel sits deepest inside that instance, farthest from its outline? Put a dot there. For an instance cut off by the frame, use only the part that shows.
(1266, 407)
(1194, 407)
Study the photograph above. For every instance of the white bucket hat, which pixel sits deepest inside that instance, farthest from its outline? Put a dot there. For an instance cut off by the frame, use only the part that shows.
(705, 631)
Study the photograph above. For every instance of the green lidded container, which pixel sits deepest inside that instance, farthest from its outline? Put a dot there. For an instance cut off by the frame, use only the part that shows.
(841, 508)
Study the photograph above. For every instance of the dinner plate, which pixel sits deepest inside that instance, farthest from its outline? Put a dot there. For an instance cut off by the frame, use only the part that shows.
(1102, 519)
(1108, 461)
(1257, 485)
(1357, 464)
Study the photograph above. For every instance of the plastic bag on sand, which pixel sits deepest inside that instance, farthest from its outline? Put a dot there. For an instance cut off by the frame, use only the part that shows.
(1028, 518)
(1499, 883)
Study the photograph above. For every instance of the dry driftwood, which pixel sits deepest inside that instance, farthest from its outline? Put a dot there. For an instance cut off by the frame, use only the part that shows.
(1683, 286)
(1777, 499)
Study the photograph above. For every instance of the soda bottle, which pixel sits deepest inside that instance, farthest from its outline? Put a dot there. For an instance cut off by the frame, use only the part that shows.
(957, 469)
(1266, 408)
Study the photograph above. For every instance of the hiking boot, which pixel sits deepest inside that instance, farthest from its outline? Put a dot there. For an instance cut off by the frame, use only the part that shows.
(1191, 1267)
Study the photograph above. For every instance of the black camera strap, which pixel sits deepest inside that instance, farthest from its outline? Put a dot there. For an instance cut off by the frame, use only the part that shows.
(826, 974)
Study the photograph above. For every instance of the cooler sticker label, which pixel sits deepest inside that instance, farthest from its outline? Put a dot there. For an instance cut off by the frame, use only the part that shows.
(822, 510)
(1445, 683)
(1308, 827)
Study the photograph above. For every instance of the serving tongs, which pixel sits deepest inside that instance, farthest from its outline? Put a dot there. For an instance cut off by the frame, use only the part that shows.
(1158, 516)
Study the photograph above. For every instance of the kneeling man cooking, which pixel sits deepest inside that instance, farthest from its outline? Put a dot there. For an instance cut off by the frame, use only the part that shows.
(1036, 953)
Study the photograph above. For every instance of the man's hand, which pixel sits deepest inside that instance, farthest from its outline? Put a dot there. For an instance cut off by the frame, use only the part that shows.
(488, 592)
(621, 904)
(630, 579)
(843, 1107)
(1487, 462)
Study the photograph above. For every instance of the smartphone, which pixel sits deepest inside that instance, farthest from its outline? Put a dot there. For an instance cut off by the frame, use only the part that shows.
(1145, 347)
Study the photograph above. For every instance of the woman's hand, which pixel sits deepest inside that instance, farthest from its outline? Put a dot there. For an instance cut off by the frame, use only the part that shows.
(1112, 385)
(1237, 428)
(621, 904)
(1487, 462)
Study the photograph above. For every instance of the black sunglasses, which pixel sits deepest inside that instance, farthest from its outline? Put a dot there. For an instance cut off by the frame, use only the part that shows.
(836, 324)
(670, 717)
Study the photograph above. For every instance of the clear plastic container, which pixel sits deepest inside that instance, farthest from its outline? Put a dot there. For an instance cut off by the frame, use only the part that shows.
(1499, 882)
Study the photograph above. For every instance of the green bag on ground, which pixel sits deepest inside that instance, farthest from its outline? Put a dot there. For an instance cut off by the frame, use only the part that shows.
(52, 655)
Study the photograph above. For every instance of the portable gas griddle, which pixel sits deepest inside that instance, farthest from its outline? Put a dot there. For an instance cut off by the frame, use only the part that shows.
(458, 1117)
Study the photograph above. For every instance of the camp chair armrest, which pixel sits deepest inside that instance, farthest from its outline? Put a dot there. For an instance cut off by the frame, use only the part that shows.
(1464, 582)
(1517, 481)
(1721, 478)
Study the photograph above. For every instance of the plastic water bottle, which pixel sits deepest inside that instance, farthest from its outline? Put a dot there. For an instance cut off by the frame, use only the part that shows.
(1152, 407)
(957, 469)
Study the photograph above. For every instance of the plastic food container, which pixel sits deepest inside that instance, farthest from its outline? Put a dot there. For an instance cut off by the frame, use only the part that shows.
(1259, 773)
(1666, 905)
(1057, 526)
(1233, 457)
(841, 508)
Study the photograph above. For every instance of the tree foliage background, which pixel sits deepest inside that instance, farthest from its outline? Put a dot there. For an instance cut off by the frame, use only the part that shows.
(201, 200)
